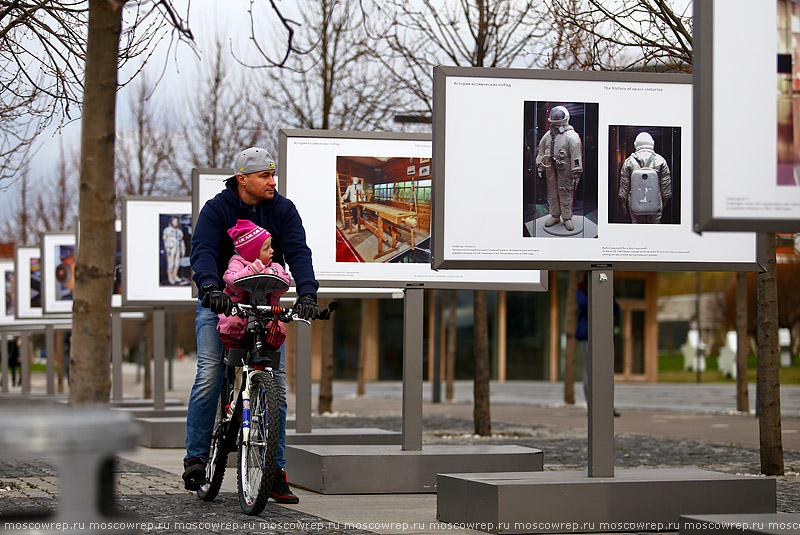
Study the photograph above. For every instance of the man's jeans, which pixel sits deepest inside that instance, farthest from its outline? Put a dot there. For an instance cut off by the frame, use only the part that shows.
(205, 392)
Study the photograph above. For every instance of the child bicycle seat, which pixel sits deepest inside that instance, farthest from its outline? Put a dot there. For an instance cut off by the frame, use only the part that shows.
(261, 285)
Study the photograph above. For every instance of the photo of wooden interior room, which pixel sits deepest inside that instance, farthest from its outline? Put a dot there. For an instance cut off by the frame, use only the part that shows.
(383, 209)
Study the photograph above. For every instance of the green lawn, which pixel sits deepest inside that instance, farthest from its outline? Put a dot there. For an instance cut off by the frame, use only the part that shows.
(670, 370)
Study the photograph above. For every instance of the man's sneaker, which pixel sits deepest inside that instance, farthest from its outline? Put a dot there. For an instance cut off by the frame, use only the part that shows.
(194, 473)
(281, 492)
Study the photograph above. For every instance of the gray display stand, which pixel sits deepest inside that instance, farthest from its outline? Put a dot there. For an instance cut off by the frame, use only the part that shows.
(610, 501)
(161, 427)
(303, 434)
(739, 524)
(410, 467)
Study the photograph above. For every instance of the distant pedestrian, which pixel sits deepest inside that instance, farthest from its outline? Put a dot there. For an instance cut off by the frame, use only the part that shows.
(14, 362)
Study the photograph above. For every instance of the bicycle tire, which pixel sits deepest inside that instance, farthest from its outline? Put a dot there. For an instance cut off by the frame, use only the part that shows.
(218, 452)
(256, 466)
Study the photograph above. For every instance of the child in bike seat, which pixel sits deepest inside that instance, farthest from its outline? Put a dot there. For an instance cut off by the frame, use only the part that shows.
(253, 246)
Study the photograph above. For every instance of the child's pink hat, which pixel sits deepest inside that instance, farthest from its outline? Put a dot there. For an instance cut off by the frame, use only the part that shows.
(248, 238)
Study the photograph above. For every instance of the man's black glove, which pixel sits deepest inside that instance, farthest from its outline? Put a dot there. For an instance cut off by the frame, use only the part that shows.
(306, 306)
(216, 300)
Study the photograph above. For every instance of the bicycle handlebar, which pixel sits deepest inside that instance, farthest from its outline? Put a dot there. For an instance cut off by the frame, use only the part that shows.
(280, 313)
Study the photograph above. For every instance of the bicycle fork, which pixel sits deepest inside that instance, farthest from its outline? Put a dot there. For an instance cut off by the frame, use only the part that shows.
(246, 404)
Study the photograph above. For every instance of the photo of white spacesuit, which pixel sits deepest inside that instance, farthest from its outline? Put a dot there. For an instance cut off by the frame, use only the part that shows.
(645, 185)
(173, 250)
(561, 160)
(644, 174)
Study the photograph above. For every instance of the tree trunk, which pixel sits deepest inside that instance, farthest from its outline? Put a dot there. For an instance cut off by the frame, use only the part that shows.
(450, 359)
(481, 413)
(742, 345)
(363, 343)
(570, 322)
(326, 377)
(768, 387)
(90, 377)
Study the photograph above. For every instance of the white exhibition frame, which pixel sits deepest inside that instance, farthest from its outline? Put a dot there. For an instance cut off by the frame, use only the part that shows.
(206, 184)
(49, 242)
(22, 281)
(141, 239)
(307, 175)
(6, 266)
(736, 115)
(478, 209)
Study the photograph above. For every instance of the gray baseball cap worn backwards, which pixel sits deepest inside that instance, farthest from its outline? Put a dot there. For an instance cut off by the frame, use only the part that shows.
(253, 160)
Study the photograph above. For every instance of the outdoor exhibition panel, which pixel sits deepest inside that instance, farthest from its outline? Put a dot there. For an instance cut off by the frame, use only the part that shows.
(28, 283)
(369, 197)
(747, 116)
(57, 253)
(156, 243)
(500, 187)
(6, 292)
(206, 184)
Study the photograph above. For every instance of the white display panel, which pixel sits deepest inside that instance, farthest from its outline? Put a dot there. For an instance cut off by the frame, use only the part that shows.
(156, 244)
(748, 115)
(206, 184)
(6, 292)
(57, 271)
(482, 209)
(28, 281)
(396, 174)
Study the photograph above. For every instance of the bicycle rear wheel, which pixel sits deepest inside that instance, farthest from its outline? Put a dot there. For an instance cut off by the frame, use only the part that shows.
(256, 469)
(218, 453)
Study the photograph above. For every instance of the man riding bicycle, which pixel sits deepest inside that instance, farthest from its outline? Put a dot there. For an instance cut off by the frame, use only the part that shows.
(251, 195)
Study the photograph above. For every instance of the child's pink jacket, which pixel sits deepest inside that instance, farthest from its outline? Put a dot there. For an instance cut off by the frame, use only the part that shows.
(239, 267)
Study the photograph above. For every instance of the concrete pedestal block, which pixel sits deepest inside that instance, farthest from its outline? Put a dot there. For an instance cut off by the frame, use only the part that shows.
(638, 499)
(163, 432)
(356, 436)
(343, 469)
(753, 524)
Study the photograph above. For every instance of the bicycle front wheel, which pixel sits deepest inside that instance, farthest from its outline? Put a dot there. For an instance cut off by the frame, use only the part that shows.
(257, 454)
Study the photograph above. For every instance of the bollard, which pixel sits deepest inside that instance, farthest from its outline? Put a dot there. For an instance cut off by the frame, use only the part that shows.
(82, 442)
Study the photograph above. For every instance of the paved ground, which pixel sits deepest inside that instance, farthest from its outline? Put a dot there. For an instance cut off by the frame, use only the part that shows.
(661, 425)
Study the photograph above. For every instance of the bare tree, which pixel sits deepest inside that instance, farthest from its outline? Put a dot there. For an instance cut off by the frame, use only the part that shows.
(769, 398)
(627, 34)
(742, 345)
(484, 33)
(481, 408)
(337, 84)
(143, 151)
(225, 116)
(41, 54)
(570, 324)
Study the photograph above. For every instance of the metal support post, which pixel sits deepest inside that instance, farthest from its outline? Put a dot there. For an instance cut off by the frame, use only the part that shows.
(50, 350)
(601, 373)
(412, 369)
(116, 356)
(302, 368)
(158, 359)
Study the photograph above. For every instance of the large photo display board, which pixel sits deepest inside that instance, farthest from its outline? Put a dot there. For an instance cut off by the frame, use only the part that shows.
(57, 271)
(28, 283)
(747, 111)
(156, 244)
(562, 169)
(365, 199)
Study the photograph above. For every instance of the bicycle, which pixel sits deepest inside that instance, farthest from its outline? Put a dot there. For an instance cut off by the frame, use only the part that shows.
(247, 417)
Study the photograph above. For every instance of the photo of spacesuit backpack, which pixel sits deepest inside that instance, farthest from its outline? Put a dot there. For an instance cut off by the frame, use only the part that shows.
(644, 187)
